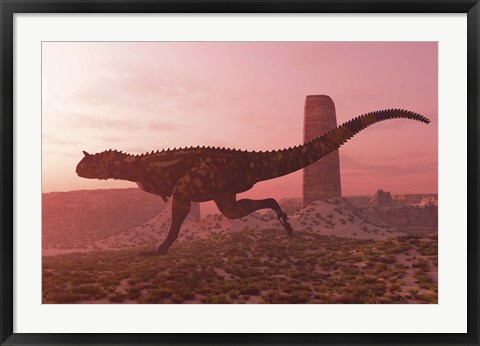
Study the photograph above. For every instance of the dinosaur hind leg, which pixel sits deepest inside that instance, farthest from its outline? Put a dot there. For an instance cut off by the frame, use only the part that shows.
(233, 209)
(180, 209)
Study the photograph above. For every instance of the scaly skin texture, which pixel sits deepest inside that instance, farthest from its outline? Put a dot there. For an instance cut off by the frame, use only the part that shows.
(203, 174)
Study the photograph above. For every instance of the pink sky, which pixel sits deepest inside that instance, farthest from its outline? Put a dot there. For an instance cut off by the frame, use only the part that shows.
(139, 97)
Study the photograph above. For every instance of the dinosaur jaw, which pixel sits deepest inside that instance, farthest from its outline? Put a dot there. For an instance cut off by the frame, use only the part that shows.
(103, 175)
(88, 175)
(84, 172)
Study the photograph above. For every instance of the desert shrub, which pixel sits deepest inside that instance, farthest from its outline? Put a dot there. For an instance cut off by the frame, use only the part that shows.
(250, 289)
(393, 299)
(427, 248)
(176, 298)
(380, 267)
(300, 297)
(66, 297)
(422, 264)
(157, 296)
(401, 248)
(117, 297)
(234, 293)
(413, 292)
(92, 291)
(430, 298)
(186, 293)
(423, 279)
(82, 277)
(349, 270)
(218, 299)
(134, 292)
(387, 259)
(109, 281)
(328, 262)
(345, 299)
(275, 297)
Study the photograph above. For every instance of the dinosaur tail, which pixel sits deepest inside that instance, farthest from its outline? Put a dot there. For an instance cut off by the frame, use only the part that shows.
(274, 164)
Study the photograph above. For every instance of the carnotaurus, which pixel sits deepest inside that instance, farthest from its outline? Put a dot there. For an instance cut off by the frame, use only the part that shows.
(202, 174)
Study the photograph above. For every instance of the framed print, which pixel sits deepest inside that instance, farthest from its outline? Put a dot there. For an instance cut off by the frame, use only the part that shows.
(239, 173)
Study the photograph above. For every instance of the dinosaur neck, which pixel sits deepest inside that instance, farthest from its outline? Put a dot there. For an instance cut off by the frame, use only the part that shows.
(124, 167)
(278, 163)
(126, 172)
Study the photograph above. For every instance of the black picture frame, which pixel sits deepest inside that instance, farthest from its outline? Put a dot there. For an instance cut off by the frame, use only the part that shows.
(10, 7)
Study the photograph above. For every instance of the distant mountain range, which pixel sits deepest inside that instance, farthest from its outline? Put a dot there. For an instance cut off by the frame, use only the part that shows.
(123, 218)
(88, 215)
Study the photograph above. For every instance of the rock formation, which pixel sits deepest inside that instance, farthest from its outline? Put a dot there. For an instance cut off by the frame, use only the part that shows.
(411, 199)
(321, 180)
(381, 199)
(429, 202)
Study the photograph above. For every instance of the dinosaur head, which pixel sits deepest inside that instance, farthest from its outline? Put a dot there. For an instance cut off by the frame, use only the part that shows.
(102, 165)
(91, 167)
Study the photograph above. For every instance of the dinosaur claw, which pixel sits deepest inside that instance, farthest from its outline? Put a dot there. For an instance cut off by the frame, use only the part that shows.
(161, 251)
(289, 229)
(282, 217)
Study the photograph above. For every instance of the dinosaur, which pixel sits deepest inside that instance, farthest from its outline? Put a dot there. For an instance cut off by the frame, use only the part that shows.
(199, 174)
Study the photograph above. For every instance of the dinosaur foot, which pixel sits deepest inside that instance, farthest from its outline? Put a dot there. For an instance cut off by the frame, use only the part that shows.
(161, 250)
(282, 217)
(158, 252)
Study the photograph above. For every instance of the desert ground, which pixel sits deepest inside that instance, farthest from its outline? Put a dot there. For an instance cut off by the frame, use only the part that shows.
(352, 250)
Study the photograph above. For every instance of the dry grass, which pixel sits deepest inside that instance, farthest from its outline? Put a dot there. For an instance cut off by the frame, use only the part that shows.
(261, 266)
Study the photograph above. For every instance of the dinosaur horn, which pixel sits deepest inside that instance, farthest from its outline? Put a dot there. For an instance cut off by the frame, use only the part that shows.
(85, 153)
